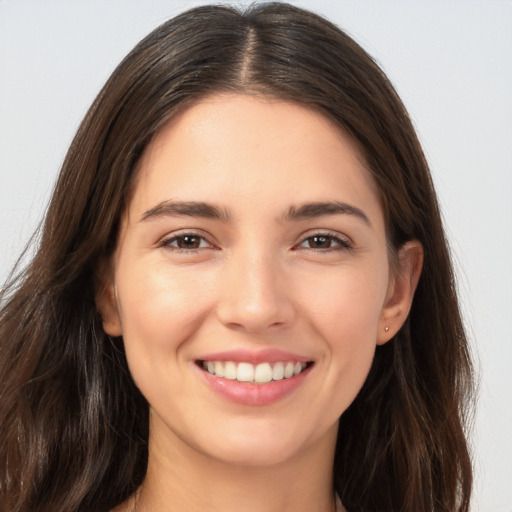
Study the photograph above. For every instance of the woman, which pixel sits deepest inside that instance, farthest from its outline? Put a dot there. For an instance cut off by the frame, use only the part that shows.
(220, 314)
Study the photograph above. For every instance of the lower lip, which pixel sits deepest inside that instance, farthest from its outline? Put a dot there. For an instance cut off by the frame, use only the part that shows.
(255, 394)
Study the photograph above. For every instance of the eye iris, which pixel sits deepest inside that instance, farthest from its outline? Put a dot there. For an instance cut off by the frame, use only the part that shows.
(188, 242)
(320, 242)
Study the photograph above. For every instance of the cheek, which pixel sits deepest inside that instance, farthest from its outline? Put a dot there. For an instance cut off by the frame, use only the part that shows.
(346, 304)
(351, 333)
(160, 309)
(344, 313)
(160, 312)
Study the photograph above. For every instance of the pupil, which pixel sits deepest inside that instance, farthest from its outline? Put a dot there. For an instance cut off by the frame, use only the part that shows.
(321, 242)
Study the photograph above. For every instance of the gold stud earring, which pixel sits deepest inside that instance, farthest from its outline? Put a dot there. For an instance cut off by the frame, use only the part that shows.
(386, 328)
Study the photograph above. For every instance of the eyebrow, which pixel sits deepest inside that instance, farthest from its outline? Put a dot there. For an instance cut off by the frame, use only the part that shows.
(185, 208)
(209, 211)
(318, 209)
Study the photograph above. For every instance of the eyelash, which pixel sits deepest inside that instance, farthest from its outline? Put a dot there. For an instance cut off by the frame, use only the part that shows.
(167, 242)
(341, 243)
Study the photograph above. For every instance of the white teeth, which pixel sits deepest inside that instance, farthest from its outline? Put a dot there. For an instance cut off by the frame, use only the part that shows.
(247, 372)
(219, 369)
(278, 371)
(288, 370)
(230, 370)
(263, 373)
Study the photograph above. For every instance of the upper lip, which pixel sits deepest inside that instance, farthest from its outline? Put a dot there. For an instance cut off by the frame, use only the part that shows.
(268, 355)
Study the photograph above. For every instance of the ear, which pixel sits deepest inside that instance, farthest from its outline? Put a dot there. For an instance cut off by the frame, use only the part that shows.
(402, 285)
(106, 301)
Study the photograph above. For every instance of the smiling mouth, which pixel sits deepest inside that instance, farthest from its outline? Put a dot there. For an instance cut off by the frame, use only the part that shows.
(261, 373)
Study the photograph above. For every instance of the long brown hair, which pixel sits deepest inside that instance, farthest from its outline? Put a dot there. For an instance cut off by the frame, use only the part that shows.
(74, 427)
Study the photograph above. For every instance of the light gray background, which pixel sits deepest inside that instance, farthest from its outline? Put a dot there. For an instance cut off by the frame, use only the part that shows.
(451, 62)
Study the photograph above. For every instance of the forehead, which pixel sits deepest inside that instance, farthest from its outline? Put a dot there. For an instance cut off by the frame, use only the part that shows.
(247, 146)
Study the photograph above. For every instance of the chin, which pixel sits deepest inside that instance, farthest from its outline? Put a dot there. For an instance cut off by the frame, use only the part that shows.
(259, 446)
(255, 454)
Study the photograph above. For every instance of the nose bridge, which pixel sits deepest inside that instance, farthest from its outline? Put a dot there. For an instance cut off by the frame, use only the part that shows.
(254, 297)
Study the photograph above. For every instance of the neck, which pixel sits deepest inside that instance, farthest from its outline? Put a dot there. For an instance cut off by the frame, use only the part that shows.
(182, 478)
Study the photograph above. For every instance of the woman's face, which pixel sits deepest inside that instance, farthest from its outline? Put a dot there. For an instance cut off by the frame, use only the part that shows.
(251, 281)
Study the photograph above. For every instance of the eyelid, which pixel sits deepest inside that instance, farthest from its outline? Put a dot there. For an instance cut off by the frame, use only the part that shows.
(343, 241)
(168, 239)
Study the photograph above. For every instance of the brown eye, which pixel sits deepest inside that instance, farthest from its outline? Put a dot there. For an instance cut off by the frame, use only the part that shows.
(186, 242)
(324, 242)
(320, 242)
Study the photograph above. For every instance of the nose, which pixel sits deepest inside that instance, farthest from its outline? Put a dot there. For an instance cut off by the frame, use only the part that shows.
(255, 295)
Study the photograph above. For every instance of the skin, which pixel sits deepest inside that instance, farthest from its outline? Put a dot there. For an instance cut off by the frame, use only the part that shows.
(255, 278)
